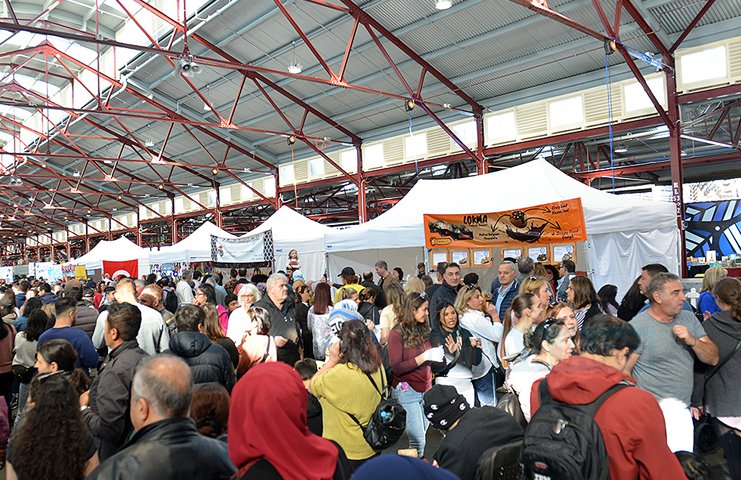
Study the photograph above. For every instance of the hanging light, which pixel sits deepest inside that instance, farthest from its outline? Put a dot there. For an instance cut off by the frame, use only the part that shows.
(119, 198)
(291, 140)
(295, 67)
(161, 186)
(409, 105)
(149, 143)
(443, 4)
(215, 171)
(621, 148)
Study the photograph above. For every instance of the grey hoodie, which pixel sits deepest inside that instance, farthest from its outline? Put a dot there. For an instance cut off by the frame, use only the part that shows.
(724, 388)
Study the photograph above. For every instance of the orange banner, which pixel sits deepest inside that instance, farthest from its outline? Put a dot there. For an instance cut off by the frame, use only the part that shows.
(555, 222)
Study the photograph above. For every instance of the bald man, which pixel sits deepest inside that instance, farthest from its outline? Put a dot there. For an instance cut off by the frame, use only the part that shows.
(166, 444)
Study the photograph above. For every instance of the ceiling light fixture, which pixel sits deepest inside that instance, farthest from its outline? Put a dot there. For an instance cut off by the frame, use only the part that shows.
(409, 105)
(443, 4)
(215, 171)
(295, 67)
(188, 67)
(621, 148)
(149, 143)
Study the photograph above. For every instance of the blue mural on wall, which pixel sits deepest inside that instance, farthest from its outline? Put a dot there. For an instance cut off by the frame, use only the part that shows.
(713, 226)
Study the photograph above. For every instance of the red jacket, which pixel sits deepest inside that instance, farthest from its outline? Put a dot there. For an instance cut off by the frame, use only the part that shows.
(631, 422)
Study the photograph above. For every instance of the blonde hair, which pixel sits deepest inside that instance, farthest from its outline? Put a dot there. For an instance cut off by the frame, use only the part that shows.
(532, 285)
(712, 277)
(465, 294)
(414, 285)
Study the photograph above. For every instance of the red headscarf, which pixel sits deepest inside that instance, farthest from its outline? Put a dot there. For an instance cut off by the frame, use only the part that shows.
(267, 419)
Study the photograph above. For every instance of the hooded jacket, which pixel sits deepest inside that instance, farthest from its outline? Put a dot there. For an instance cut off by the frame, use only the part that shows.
(208, 361)
(724, 386)
(630, 420)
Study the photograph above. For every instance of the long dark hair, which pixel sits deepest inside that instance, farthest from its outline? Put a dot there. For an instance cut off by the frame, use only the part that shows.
(36, 325)
(634, 299)
(209, 409)
(413, 334)
(607, 296)
(209, 292)
(56, 423)
(357, 347)
(322, 298)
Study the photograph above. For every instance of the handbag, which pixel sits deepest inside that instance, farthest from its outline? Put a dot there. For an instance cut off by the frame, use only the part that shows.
(510, 403)
(23, 373)
(706, 438)
(387, 423)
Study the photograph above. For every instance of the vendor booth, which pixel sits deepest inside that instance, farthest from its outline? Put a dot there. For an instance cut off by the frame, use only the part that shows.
(291, 230)
(118, 254)
(623, 233)
(196, 247)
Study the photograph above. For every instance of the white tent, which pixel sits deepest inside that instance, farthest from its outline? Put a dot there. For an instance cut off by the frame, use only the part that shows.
(291, 230)
(196, 247)
(623, 233)
(117, 250)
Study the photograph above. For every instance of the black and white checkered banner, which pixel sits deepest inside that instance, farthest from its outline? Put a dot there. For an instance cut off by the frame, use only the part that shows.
(257, 248)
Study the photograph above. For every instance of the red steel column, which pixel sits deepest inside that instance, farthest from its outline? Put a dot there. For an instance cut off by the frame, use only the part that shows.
(675, 160)
(362, 204)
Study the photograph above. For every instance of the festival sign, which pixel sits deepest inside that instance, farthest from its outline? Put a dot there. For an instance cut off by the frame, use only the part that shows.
(557, 222)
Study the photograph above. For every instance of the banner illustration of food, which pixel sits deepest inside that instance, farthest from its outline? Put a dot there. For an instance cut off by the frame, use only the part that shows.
(556, 222)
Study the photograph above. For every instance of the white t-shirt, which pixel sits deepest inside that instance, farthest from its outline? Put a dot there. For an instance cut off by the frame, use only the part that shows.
(153, 336)
(184, 292)
(514, 342)
(238, 321)
(521, 379)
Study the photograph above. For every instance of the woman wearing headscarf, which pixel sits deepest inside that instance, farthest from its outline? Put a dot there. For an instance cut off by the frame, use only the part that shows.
(268, 434)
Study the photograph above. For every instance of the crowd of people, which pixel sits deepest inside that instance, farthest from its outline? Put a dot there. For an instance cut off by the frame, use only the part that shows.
(276, 376)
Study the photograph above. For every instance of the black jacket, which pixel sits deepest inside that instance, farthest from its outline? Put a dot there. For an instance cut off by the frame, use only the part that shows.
(168, 449)
(283, 324)
(369, 312)
(108, 415)
(478, 430)
(208, 361)
(468, 356)
(443, 292)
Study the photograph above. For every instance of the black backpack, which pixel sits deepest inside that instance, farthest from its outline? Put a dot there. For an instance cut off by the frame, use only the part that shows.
(171, 302)
(564, 442)
(388, 422)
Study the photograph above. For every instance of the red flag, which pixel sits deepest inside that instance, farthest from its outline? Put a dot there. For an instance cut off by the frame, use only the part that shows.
(128, 268)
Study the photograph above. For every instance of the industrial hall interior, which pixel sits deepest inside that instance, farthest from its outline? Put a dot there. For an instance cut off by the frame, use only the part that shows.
(333, 239)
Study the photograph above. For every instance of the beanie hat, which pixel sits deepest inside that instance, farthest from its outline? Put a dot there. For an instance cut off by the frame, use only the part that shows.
(340, 315)
(443, 405)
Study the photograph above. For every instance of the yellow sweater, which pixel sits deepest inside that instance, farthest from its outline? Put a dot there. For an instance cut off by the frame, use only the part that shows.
(344, 388)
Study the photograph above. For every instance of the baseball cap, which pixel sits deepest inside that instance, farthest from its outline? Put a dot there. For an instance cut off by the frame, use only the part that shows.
(347, 271)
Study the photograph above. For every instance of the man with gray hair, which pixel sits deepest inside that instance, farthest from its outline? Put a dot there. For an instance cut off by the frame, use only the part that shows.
(166, 444)
(663, 363)
(283, 326)
(526, 266)
(183, 289)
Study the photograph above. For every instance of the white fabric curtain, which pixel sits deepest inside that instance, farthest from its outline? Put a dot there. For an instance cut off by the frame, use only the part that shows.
(617, 257)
